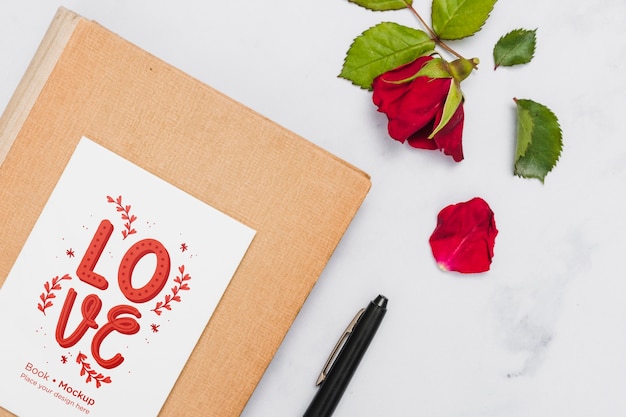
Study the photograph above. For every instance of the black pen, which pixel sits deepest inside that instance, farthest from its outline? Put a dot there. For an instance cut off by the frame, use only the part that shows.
(352, 345)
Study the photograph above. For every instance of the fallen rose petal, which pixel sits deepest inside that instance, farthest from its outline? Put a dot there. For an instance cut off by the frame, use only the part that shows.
(464, 238)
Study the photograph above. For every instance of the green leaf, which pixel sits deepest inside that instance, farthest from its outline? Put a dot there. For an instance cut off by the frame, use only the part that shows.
(514, 48)
(456, 19)
(539, 140)
(453, 101)
(383, 5)
(382, 48)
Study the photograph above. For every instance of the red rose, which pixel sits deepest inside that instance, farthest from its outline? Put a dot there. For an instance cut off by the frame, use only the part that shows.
(464, 238)
(415, 108)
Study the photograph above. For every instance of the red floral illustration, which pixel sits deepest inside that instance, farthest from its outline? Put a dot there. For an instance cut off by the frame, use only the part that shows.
(154, 327)
(48, 295)
(182, 285)
(70, 253)
(63, 359)
(126, 216)
(183, 247)
(97, 377)
(464, 238)
(414, 107)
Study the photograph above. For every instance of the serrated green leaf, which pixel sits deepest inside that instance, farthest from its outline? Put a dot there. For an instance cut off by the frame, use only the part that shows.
(382, 48)
(383, 5)
(456, 19)
(453, 101)
(515, 48)
(539, 140)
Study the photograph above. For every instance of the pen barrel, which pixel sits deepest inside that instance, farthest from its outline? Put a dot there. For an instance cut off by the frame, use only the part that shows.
(333, 387)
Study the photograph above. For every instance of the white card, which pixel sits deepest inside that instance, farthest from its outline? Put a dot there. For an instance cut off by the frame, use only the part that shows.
(146, 265)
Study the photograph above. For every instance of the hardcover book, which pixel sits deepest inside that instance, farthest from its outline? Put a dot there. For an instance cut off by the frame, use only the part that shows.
(158, 238)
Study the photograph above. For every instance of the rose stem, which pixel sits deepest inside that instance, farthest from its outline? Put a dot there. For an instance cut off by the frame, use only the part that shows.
(432, 34)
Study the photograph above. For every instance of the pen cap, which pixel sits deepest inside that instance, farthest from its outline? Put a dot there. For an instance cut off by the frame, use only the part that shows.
(381, 301)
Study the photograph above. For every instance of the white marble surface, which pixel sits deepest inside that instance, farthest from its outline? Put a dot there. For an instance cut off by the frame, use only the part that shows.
(544, 332)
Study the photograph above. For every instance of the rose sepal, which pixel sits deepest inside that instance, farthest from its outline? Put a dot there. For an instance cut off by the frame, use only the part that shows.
(453, 101)
(435, 68)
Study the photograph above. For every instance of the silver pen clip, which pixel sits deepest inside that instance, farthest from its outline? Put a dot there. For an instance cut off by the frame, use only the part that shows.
(338, 346)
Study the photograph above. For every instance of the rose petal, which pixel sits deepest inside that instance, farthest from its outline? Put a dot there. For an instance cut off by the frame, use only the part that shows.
(449, 138)
(420, 139)
(411, 105)
(464, 238)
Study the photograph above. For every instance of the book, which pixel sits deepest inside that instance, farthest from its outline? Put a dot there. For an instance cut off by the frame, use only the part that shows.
(92, 107)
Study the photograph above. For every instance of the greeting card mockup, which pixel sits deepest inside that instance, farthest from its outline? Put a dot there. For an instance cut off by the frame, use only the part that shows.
(111, 291)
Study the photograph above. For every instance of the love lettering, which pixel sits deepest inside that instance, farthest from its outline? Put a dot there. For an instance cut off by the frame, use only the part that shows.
(121, 318)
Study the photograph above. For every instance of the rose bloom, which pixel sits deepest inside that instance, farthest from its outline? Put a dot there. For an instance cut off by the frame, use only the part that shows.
(414, 108)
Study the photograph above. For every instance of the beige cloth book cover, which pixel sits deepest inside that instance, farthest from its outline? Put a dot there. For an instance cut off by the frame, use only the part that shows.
(300, 199)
